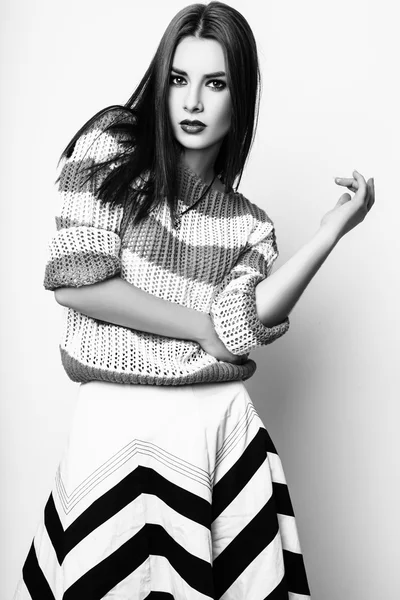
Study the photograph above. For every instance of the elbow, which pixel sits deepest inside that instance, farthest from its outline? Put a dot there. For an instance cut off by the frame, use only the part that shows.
(269, 316)
(60, 295)
(270, 321)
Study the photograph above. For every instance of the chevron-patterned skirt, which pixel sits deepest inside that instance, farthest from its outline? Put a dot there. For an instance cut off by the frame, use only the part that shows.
(166, 492)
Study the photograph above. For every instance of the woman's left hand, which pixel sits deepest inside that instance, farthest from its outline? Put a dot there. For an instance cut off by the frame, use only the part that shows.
(349, 211)
(211, 344)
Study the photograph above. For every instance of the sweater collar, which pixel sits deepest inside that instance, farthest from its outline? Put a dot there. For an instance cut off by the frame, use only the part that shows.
(191, 186)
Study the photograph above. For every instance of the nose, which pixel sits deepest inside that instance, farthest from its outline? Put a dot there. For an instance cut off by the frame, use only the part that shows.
(192, 100)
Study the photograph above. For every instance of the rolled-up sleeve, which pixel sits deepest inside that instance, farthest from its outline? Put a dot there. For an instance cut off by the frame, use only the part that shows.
(233, 308)
(86, 246)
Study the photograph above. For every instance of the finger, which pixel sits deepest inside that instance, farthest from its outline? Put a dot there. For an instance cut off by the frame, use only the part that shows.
(362, 188)
(343, 199)
(351, 184)
(373, 191)
(360, 179)
(345, 181)
(371, 195)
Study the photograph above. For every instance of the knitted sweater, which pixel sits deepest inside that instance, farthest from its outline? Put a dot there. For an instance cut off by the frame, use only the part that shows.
(212, 263)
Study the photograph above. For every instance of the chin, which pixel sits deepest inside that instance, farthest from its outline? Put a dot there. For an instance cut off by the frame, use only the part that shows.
(197, 143)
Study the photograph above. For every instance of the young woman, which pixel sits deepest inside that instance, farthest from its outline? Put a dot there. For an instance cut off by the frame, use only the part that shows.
(170, 486)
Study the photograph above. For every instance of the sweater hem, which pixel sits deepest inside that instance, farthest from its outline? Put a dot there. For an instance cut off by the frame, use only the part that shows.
(218, 372)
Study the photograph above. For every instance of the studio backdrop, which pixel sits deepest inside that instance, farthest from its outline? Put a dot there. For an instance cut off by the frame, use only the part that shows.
(327, 391)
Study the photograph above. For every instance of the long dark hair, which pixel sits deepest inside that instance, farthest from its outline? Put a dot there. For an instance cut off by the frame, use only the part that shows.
(149, 146)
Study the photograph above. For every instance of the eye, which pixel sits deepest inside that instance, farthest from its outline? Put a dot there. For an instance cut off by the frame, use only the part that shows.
(220, 85)
(175, 77)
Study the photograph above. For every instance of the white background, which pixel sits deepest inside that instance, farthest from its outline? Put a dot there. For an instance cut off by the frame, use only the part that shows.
(328, 391)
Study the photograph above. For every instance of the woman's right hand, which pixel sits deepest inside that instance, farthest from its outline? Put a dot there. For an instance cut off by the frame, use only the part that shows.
(349, 211)
(214, 346)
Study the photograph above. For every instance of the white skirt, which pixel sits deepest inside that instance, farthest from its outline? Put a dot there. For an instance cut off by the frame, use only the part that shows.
(166, 492)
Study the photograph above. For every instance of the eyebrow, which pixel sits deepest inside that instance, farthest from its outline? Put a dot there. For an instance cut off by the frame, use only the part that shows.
(216, 74)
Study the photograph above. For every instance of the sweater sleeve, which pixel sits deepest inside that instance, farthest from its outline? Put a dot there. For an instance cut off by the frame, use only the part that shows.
(86, 246)
(233, 308)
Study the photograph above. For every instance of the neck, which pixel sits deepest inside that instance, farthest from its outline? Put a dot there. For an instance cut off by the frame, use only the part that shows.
(201, 162)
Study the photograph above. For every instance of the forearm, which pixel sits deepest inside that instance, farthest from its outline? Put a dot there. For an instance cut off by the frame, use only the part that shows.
(277, 294)
(121, 303)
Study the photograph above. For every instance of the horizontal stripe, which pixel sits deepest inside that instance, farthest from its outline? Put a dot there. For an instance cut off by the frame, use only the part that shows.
(161, 225)
(78, 269)
(150, 277)
(219, 371)
(203, 255)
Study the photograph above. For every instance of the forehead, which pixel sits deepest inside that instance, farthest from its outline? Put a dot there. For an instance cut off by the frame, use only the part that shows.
(199, 55)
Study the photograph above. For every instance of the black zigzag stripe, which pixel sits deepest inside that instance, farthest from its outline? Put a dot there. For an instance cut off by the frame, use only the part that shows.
(34, 578)
(232, 483)
(280, 592)
(150, 540)
(195, 571)
(97, 582)
(225, 491)
(296, 573)
(282, 499)
(142, 480)
(269, 444)
(245, 547)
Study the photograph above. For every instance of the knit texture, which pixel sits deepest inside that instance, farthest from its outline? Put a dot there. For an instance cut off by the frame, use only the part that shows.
(224, 246)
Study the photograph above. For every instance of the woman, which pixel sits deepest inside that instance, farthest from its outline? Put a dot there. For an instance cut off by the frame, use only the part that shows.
(173, 488)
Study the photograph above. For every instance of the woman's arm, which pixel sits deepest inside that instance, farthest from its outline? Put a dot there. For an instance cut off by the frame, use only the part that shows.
(276, 295)
(121, 303)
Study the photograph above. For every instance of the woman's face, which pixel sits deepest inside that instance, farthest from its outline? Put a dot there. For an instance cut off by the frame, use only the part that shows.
(198, 92)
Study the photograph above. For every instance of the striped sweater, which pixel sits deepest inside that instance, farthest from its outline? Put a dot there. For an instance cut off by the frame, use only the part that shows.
(211, 262)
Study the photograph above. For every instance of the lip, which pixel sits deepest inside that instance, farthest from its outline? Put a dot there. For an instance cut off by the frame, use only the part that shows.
(192, 128)
(195, 122)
